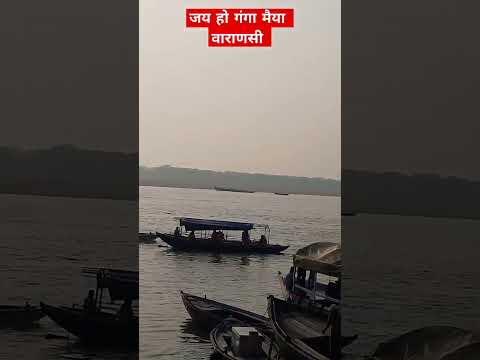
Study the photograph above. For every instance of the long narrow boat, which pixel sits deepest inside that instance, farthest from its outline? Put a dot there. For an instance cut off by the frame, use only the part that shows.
(218, 188)
(208, 230)
(209, 313)
(100, 327)
(12, 315)
(300, 332)
(147, 238)
(94, 324)
(222, 338)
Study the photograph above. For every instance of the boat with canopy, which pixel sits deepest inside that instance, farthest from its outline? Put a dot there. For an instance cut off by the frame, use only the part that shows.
(97, 323)
(322, 287)
(220, 236)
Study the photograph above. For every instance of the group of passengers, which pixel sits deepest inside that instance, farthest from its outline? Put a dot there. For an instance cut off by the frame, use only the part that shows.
(220, 236)
(247, 241)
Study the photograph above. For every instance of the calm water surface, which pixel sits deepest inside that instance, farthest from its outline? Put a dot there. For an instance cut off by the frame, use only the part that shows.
(400, 273)
(45, 242)
(246, 281)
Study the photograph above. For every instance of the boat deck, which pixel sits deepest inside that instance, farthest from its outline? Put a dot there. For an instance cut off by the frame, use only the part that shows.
(301, 325)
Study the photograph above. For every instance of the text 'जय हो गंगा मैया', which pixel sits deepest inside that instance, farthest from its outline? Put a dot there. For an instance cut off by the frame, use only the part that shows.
(239, 27)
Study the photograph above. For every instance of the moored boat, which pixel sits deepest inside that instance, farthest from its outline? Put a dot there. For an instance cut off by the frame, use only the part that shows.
(94, 324)
(99, 327)
(305, 334)
(233, 339)
(213, 239)
(147, 238)
(322, 287)
(13, 315)
(209, 313)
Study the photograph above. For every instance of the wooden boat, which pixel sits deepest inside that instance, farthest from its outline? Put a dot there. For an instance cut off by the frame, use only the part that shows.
(100, 327)
(12, 315)
(209, 228)
(147, 238)
(300, 332)
(429, 342)
(278, 193)
(322, 258)
(222, 339)
(209, 313)
(97, 325)
(233, 190)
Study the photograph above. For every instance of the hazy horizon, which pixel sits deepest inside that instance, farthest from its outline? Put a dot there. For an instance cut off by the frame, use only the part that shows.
(272, 111)
(233, 171)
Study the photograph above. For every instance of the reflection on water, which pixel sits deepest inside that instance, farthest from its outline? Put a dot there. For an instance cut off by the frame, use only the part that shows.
(244, 281)
(189, 328)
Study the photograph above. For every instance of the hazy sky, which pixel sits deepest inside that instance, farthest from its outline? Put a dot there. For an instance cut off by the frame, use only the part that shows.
(273, 110)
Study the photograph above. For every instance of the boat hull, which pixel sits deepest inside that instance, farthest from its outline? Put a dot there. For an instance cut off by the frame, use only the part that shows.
(209, 313)
(12, 315)
(99, 328)
(184, 244)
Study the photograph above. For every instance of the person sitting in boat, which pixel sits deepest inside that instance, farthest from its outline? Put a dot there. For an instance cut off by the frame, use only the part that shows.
(89, 302)
(263, 240)
(125, 312)
(214, 235)
(191, 236)
(221, 236)
(245, 238)
(177, 232)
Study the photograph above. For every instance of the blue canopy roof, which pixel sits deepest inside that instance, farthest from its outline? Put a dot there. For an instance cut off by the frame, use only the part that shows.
(191, 224)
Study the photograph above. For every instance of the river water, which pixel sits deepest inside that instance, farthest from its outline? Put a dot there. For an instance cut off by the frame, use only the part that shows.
(400, 273)
(245, 281)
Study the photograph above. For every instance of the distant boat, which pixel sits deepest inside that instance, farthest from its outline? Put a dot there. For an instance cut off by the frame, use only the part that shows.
(277, 193)
(233, 190)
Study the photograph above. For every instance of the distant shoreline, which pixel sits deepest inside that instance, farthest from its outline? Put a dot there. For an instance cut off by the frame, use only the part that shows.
(171, 176)
(212, 189)
(68, 195)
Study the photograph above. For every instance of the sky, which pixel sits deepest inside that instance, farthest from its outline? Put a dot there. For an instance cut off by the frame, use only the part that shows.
(267, 110)
(69, 74)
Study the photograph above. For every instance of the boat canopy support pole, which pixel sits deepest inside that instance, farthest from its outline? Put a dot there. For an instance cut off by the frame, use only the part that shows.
(293, 282)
